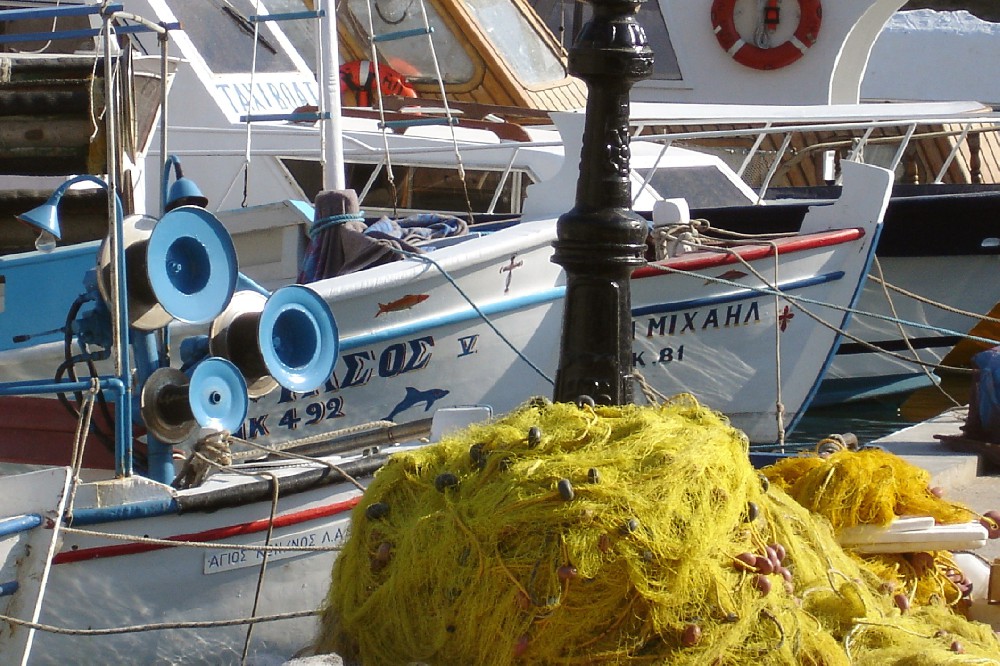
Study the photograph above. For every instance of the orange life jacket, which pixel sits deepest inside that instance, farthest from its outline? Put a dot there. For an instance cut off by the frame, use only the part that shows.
(357, 83)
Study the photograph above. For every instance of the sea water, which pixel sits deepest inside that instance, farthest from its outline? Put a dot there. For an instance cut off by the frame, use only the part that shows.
(871, 419)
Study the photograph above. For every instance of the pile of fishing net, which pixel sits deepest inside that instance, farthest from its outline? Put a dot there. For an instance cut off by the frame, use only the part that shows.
(872, 487)
(611, 535)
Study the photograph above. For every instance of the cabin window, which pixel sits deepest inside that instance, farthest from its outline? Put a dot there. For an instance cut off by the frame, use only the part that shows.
(702, 186)
(224, 36)
(412, 58)
(517, 41)
(438, 189)
(427, 188)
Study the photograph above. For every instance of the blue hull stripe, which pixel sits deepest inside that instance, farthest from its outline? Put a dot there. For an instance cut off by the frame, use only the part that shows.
(550, 295)
(502, 307)
(740, 295)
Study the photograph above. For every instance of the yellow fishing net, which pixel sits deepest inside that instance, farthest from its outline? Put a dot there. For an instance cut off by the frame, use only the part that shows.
(615, 535)
(874, 487)
(866, 487)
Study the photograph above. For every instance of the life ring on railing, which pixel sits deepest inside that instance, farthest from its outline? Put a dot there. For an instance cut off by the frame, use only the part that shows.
(357, 81)
(806, 32)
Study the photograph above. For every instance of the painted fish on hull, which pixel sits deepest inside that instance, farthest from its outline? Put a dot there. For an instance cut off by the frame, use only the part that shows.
(404, 303)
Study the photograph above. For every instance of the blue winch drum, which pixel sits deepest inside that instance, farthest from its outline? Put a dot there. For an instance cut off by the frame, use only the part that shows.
(298, 338)
(218, 395)
(192, 264)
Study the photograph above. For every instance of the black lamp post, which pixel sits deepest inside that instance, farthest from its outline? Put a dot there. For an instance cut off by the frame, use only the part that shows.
(601, 240)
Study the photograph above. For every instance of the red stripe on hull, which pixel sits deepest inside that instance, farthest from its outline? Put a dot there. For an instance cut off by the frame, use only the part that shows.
(705, 260)
(216, 534)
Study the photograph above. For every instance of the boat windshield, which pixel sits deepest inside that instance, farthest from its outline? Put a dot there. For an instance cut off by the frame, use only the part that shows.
(511, 34)
(518, 41)
(702, 186)
(410, 57)
(566, 19)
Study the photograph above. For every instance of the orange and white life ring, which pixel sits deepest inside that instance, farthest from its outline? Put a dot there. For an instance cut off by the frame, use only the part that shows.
(357, 83)
(724, 25)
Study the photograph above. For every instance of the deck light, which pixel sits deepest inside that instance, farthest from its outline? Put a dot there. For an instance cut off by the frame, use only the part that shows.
(45, 218)
(184, 191)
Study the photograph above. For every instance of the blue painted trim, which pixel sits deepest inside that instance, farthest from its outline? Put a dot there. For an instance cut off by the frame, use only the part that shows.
(78, 34)
(245, 283)
(293, 117)
(402, 330)
(110, 514)
(287, 16)
(740, 295)
(402, 34)
(555, 294)
(46, 386)
(418, 122)
(811, 395)
(305, 208)
(8, 588)
(17, 524)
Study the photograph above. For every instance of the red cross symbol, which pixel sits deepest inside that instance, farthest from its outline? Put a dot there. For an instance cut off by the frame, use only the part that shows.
(509, 270)
(786, 316)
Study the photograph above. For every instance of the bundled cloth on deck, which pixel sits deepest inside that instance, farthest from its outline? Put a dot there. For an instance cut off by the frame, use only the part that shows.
(341, 242)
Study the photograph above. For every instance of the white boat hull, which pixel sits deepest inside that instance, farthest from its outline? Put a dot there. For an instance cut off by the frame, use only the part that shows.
(860, 372)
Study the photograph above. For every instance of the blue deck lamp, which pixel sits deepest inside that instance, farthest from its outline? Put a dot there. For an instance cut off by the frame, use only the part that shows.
(45, 218)
(183, 192)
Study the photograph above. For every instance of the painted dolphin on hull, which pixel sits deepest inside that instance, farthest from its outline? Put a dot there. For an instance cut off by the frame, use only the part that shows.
(414, 397)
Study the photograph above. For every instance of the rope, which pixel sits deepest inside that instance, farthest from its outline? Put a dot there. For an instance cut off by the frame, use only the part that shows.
(459, 165)
(297, 456)
(80, 441)
(447, 111)
(424, 258)
(927, 301)
(207, 545)
(779, 407)
(332, 221)
(93, 113)
(692, 233)
(253, 71)
(208, 452)
(312, 439)
(892, 308)
(797, 301)
(263, 562)
(761, 35)
(158, 626)
(389, 174)
(652, 394)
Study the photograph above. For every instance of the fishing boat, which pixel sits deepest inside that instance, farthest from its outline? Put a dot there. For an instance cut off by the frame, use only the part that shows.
(735, 136)
(196, 497)
(777, 91)
(376, 377)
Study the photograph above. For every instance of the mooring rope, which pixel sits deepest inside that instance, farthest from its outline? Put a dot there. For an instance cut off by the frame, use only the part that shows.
(798, 300)
(207, 545)
(159, 626)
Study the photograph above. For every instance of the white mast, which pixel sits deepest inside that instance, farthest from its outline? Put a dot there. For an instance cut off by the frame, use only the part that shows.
(329, 66)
